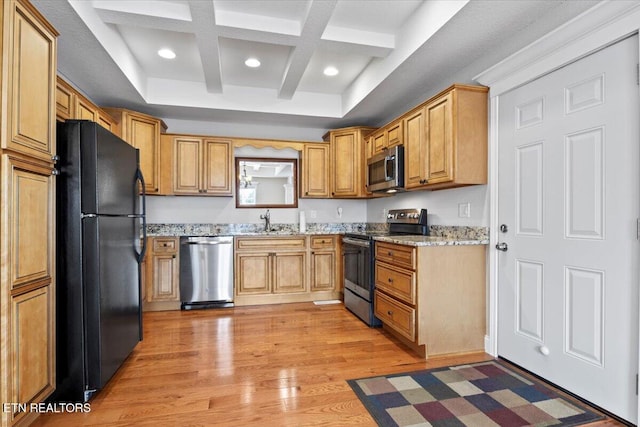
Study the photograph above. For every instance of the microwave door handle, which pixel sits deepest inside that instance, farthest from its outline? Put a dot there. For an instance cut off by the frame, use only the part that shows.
(389, 174)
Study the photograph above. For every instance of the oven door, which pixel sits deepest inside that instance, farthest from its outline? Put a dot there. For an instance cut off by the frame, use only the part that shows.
(357, 266)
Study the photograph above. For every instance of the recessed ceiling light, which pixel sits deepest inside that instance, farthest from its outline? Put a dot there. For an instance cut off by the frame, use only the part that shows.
(331, 71)
(167, 53)
(252, 62)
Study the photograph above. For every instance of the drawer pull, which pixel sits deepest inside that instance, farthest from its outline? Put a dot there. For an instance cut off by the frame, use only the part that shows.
(390, 280)
(390, 313)
(390, 253)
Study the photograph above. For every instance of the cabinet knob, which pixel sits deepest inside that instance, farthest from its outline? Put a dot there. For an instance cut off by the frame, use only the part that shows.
(55, 158)
(390, 280)
(390, 253)
(55, 172)
(306, 193)
(173, 256)
(390, 313)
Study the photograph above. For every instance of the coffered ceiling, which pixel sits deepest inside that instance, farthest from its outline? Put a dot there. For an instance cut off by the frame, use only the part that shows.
(387, 54)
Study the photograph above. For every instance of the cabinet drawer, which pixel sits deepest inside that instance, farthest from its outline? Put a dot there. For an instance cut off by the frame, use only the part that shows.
(396, 315)
(271, 243)
(164, 245)
(398, 255)
(323, 242)
(399, 283)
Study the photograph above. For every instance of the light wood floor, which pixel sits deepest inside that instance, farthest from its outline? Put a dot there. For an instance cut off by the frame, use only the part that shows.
(277, 365)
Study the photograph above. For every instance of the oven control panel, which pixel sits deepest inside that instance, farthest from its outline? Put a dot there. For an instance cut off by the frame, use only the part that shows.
(407, 216)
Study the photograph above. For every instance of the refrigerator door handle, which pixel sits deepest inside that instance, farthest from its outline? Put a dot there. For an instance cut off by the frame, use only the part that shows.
(140, 179)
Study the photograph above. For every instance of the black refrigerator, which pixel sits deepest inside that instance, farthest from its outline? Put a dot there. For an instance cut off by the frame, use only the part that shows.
(100, 218)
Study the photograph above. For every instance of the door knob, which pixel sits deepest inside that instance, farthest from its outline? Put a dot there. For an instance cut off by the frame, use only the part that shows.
(502, 247)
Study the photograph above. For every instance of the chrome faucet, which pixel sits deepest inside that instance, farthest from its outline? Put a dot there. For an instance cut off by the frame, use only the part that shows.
(267, 220)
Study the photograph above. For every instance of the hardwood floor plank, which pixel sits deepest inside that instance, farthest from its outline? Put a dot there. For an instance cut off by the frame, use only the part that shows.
(276, 365)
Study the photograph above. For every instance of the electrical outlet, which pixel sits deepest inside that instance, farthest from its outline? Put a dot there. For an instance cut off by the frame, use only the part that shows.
(313, 214)
(464, 210)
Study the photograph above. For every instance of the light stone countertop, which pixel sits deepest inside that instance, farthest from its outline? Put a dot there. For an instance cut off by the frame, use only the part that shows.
(430, 241)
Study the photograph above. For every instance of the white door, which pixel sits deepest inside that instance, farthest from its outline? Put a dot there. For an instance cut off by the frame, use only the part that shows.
(568, 195)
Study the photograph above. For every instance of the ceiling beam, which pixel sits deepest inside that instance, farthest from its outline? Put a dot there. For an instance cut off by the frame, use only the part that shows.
(204, 19)
(318, 16)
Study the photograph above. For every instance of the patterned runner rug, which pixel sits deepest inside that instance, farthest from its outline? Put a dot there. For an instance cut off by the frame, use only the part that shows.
(476, 395)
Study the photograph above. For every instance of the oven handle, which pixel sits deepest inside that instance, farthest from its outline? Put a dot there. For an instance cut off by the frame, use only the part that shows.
(355, 242)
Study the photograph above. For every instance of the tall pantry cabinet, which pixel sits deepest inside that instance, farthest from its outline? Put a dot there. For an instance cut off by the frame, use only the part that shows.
(27, 209)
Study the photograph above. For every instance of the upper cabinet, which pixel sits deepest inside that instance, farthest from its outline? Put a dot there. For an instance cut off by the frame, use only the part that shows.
(70, 104)
(29, 49)
(386, 137)
(446, 140)
(315, 171)
(201, 165)
(348, 152)
(142, 132)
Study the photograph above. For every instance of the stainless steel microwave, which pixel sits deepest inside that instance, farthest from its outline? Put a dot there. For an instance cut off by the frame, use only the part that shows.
(385, 171)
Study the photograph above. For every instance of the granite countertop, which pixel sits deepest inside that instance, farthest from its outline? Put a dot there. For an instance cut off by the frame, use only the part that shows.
(440, 235)
(431, 240)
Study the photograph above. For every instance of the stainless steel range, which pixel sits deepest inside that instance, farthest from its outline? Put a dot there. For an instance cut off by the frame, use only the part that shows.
(359, 258)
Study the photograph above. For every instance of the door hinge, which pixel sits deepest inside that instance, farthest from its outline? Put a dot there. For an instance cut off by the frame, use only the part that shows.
(638, 74)
(638, 229)
(636, 384)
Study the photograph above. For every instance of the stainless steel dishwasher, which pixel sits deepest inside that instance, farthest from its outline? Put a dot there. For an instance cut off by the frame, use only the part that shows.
(206, 272)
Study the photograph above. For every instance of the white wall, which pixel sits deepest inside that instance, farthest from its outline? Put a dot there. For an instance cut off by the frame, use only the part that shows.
(222, 210)
(441, 205)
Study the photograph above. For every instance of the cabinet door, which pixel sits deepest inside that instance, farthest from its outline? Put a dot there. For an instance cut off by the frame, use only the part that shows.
(346, 164)
(104, 120)
(85, 110)
(289, 272)
(315, 171)
(186, 160)
(32, 345)
(217, 167)
(165, 278)
(253, 273)
(29, 199)
(439, 116)
(31, 82)
(379, 142)
(323, 273)
(64, 101)
(395, 134)
(415, 155)
(144, 134)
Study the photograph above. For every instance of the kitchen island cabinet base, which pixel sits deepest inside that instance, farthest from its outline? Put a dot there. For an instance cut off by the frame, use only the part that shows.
(445, 312)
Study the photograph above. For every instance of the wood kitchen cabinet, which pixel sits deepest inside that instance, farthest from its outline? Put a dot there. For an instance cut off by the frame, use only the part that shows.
(323, 263)
(315, 171)
(270, 269)
(162, 274)
(70, 104)
(273, 265)
(432, 297)
(446, 140)
(386, 137)
(201, 165)
(142, 132)
(27, 209)
(348, 151)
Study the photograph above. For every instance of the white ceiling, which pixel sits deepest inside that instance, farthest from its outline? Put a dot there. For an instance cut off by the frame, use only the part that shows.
(390, 54)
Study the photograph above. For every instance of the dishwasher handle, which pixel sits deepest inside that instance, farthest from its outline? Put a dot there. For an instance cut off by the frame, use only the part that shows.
(207, 243)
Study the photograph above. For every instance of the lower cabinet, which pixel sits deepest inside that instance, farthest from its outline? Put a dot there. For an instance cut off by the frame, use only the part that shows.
(27, 294)
(270, 270)
(432, 298)
(161, 275)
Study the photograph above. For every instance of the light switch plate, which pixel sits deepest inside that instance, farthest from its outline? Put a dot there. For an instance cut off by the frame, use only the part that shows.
(464, 210)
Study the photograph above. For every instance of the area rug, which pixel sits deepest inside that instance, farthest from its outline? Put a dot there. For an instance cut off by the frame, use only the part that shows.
(477, 395)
